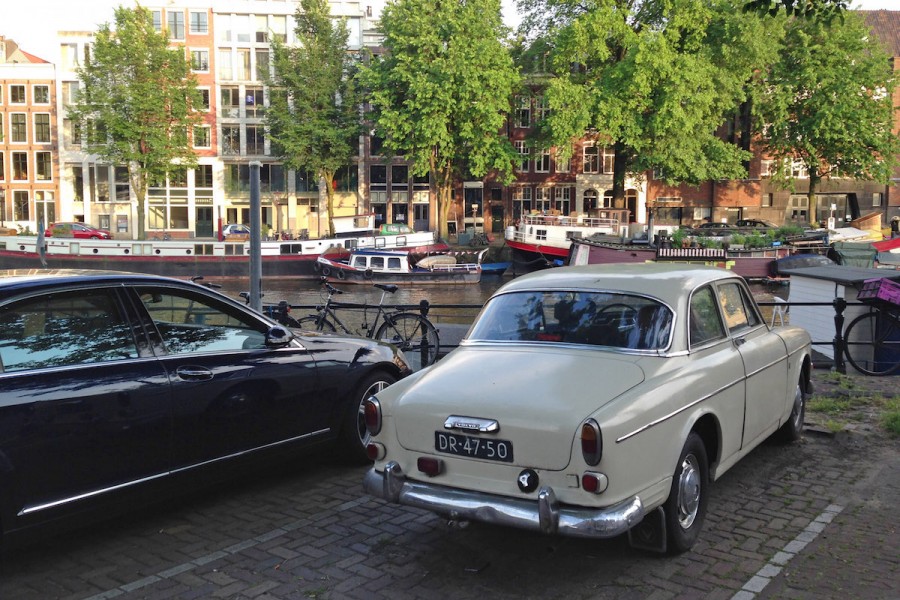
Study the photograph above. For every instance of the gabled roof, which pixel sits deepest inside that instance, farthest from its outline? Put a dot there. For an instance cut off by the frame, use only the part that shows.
(885, 24)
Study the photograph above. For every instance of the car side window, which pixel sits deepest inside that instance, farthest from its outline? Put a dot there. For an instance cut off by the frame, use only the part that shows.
(64, 329)
(704, 321)
(189, 322)
(739, 314)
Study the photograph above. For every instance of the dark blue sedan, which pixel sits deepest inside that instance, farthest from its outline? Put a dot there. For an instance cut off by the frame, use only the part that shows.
(110, 381)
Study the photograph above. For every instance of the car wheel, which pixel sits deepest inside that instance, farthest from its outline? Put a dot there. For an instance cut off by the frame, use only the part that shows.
(354, 436)
(793, 427)
(686, 507)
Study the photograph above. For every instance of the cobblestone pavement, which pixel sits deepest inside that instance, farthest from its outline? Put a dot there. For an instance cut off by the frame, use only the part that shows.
(814, 519)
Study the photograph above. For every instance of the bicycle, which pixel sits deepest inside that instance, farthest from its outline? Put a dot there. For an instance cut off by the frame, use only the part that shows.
(872, 340)
(412, 333)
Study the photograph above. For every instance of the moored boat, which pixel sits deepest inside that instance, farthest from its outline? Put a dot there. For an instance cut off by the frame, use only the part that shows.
(385, 266)
(200, 257)
(539, 241)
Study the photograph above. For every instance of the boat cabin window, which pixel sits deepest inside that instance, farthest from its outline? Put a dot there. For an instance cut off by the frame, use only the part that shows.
(359, 262)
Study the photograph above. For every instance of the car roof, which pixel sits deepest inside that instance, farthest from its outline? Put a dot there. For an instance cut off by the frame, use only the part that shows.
(668, 282)
(16, 280)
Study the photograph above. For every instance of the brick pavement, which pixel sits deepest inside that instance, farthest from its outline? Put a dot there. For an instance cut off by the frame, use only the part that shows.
(815, 519)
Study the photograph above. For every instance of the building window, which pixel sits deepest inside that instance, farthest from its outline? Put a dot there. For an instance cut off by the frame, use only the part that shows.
(255, 103)
(524, 153)
(156, 15)
(767, 200)
(43, 167)
(563, 163)
(42, 128)
(876, 198)
(256, 140)
(765, 168)
(20, 166)
(200, 60)
(231, 140)
(591, 159)
(230, 102)
(262, 29)
(21, 210)
(45, 207)
(76, 174)
(243, 64)
(542, 162)
(71, 134)
(18, 128)
(521, 197)
(2, 167)
(541, 109)
(121, 177)
(176, 25)
(262, 65)
(203, 176)
(69, 92)
(523, 111)
(41, 94)
(346, 179)
(199, 23)
(279, 27)
(202, 138)
(68, 56)
(17, 94)
(609, 160)
(224, 65)
(542, 200)
(564, 199)
(204, 99)
(798, 170)
(305, 181)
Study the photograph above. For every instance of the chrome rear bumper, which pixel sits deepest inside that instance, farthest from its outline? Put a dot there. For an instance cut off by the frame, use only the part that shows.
(544, 514)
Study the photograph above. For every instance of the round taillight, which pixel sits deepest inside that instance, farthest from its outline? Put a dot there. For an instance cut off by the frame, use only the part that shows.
(375, 451)
(591, 442)
(595, 483)
(372, 412)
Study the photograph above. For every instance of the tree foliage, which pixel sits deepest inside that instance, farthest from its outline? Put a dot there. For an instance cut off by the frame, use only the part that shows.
(137, 102)
(440, 95)
(655, 79)
(823, 10)
(313, 115)
(827, 102)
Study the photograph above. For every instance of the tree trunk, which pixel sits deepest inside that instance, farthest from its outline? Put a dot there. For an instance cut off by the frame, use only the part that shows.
(139, 185)
(620, 165)
(814, 180)
(441, 175)
(330, 184)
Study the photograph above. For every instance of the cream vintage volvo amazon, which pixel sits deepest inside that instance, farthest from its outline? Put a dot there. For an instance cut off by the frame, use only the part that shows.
(593, 401)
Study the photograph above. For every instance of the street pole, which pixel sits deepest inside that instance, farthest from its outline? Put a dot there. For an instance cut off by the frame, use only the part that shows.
(255, 241)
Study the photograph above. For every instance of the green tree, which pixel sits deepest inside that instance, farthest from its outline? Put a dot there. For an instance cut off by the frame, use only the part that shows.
(827, 102)
(654, 79)
(313, 115)
(137, 102)
(441, 94)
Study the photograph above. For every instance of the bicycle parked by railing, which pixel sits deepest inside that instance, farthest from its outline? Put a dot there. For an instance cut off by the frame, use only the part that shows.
(872, 340)
(413, 333)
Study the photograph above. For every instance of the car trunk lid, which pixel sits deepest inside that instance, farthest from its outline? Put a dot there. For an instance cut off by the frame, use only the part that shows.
(536, 397)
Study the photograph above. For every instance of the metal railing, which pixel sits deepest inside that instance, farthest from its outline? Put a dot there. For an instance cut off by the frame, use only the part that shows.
(464, 314)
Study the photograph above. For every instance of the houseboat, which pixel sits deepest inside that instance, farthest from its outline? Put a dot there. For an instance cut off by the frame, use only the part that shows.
(206, 257)
(545, 239)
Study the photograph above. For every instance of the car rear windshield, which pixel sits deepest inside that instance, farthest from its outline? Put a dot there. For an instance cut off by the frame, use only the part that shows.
(609, 319)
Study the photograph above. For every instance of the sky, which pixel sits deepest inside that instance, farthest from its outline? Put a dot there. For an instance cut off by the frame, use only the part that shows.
(37, 34)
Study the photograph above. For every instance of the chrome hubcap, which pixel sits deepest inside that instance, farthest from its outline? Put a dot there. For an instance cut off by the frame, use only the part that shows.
(688, 491)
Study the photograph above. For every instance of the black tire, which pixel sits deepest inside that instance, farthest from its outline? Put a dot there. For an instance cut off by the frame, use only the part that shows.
(341, 275)
(312, 323)
(414, 335)
(871, 336)
(354, 436)
(326, 271)
(686, 506)
(793, 427)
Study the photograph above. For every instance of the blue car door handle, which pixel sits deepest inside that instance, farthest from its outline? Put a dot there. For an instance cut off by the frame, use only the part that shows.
(194, 373)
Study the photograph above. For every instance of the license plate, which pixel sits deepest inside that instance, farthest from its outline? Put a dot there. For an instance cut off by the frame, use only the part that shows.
(473, 447)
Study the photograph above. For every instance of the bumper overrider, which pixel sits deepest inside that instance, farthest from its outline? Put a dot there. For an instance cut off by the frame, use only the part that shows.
(545, 515)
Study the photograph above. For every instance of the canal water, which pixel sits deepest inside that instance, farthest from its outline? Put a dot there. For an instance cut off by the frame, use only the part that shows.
(310, 293)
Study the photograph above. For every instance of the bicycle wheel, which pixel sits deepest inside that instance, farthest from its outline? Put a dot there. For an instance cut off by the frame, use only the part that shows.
(313, 323)
(872, 343)
(414, 335)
